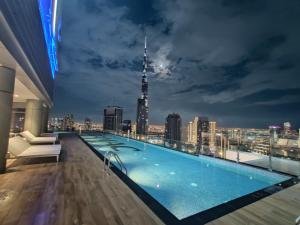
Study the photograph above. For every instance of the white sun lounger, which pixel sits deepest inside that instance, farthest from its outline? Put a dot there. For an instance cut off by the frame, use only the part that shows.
(37, 140)
(20, 148)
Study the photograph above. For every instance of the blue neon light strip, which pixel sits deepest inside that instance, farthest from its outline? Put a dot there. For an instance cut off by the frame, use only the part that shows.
(45, 7)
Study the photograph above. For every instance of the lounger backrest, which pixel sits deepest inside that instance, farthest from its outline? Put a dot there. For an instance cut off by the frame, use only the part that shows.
(28, 135)
(17, 145)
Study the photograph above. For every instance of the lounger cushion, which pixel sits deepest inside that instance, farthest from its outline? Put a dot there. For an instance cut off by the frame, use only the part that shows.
(41, 150)
(37, 140)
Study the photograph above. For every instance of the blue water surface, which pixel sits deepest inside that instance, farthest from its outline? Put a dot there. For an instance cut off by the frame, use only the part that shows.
(182, 183)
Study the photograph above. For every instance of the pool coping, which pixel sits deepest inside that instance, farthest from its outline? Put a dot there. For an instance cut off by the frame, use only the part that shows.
(205, 216)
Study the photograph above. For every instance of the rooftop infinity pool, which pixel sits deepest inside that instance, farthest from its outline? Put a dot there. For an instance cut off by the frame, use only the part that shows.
(182, 183)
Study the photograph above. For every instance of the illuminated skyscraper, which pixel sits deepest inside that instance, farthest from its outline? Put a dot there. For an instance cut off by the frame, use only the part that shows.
(212, 135)
(142, 122)
(195, 130)
(190, 132)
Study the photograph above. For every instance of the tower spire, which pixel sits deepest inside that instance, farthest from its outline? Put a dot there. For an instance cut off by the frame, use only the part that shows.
(145, 62)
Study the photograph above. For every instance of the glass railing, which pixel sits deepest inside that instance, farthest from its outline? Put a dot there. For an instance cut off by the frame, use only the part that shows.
(263, 154)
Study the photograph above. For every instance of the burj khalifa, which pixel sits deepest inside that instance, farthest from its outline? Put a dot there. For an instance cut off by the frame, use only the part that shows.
(142, 121)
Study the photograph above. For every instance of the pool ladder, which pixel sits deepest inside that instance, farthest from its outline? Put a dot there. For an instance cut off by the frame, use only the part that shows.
(107, 162)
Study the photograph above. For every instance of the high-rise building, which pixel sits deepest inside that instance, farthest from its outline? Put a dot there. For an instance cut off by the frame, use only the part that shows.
(173, 129)
(190, 132)
(142, 102)
(212, 135)
(29, 33)
(133, 129)
(198, 131)
(202, 131)
(195, 130)
(113, 118)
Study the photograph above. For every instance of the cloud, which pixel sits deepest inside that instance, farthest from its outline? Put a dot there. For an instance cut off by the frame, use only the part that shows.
(212, 57)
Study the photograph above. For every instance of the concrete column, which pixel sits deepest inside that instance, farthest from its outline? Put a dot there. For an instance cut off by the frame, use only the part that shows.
(45, 117)
(33, 116)
(7, 83)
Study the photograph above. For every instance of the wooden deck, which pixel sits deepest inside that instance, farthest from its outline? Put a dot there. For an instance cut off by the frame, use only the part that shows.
(281, 208)
(76, 192)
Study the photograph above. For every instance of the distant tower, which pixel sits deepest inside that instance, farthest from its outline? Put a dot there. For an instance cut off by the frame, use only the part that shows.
(112, 120)
(190, 132)
(212, 135)
(173, 129)
(202, 130)
(142, 122)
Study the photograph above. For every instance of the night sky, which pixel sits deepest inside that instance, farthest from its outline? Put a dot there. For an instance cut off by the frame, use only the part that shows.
(235, 61)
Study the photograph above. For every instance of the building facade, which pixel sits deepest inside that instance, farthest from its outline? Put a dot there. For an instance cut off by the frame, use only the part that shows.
(189, 130)
(192, 131)
(113, 118)
(29, 32)
(202, 131)
(173, 129)
(212, 135)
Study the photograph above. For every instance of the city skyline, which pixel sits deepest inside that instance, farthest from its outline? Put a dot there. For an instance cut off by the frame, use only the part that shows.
(149, 112)
(221, 63)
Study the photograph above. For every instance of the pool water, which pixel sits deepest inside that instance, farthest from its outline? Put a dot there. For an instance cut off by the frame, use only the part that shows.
(182, 183)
